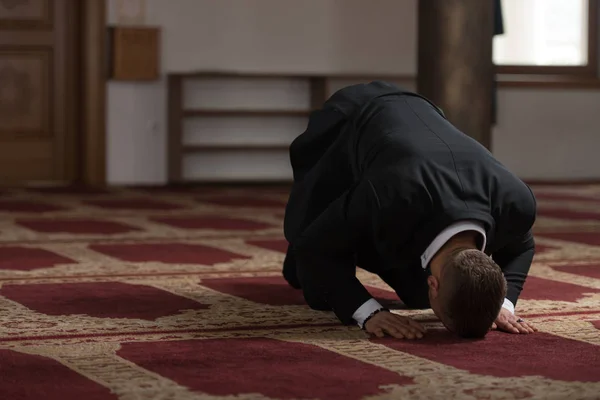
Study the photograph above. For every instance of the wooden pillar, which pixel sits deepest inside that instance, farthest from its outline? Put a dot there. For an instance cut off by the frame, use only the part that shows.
(92, 23)
(455, 68)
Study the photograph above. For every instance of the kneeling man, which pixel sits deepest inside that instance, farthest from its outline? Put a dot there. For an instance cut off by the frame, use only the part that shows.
(384, 182)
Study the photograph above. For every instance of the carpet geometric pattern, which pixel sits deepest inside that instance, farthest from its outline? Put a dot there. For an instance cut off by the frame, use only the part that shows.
(176, 294)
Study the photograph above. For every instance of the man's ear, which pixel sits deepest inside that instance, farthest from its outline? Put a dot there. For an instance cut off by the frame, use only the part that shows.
(434, 285)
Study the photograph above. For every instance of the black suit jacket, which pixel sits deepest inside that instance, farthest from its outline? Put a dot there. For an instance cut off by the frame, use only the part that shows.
(378, 174)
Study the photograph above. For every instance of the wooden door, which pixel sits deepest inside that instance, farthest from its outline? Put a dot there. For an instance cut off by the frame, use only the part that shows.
(38, 91)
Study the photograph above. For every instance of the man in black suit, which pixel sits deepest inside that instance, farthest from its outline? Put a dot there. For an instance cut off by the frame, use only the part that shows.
(384, 182)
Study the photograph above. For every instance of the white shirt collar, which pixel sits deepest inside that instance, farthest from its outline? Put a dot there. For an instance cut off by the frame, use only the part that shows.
(454, 229)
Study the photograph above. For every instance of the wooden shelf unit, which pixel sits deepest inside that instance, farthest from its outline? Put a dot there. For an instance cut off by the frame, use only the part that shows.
(319, 86)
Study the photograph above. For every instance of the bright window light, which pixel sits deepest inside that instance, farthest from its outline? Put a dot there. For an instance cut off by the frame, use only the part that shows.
(543, 33)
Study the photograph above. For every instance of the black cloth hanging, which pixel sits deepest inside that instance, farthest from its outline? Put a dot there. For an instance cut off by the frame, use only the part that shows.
(498, 30)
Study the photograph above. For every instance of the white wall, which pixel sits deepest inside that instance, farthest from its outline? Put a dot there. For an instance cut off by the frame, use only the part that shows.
(319, 36)
(548, 133)
(287, 35)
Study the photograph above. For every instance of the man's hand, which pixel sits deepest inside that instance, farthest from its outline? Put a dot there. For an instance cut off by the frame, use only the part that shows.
(394, 325)
(508, 322)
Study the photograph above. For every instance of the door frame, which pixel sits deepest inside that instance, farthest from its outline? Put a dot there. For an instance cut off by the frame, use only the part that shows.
(93, 68)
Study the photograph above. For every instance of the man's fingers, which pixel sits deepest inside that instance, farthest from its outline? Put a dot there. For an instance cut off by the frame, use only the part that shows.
(523, 326)
(507, 327)
(494, 326)
(509, 322)
(526, 326)
(395, 326)
(392, 331)
(378, 332)
(513, 326)
(529, 326)
(417, 325)
(409, 325)
(520, 328)
(408, 330)
(401, 329)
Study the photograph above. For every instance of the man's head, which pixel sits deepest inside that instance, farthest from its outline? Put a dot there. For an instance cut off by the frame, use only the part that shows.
(467, 292)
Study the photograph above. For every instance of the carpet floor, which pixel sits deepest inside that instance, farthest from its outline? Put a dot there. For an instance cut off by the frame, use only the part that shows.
(177, 294)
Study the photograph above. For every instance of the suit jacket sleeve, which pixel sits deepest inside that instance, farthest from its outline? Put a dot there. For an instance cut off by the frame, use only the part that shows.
(515, 260)
(325, 253)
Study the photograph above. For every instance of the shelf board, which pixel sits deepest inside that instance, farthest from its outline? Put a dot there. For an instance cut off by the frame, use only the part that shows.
(192, 148)
(245, 113)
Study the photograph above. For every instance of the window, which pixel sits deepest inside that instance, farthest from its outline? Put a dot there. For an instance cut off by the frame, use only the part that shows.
(547, 36)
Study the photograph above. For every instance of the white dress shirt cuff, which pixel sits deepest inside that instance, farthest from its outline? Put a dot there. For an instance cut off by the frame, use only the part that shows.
(509, 306)
(364, 311)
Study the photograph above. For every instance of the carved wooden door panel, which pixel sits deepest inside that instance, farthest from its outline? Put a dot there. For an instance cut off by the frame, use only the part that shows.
(38, 92)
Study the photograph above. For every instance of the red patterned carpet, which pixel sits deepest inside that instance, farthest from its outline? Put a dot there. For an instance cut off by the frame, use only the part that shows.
(157, 294)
